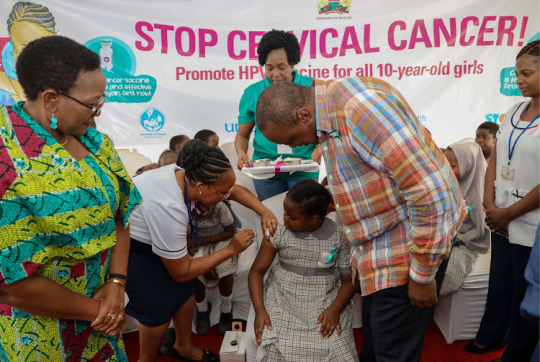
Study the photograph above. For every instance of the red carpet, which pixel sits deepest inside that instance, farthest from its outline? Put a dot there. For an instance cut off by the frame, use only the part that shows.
(435, 347)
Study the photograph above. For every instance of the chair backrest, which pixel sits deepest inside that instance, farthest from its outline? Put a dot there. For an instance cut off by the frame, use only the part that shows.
(244, 180)
(275, 203)
(133, 160)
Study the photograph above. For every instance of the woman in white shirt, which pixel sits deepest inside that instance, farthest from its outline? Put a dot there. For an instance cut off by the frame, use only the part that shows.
(512, 201)
(160, 270)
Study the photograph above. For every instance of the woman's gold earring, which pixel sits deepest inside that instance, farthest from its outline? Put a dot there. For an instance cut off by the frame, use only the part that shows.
(200, 192)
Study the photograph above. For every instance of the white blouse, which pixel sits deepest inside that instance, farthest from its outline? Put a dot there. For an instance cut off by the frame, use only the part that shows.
(526, 163)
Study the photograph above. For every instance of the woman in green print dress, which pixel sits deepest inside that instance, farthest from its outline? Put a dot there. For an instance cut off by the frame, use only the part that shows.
(65, 205)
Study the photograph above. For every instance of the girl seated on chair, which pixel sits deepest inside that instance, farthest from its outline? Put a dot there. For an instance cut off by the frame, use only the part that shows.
(214, 231)
(304, 310)
(469, 166)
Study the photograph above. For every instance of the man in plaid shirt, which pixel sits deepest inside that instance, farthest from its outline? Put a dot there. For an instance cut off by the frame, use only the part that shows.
(394, 193)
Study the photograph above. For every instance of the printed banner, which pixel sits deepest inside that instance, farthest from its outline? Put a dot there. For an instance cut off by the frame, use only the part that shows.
(178, 66)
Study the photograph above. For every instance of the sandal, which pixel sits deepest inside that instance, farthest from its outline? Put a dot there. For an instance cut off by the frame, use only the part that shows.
(208, 356)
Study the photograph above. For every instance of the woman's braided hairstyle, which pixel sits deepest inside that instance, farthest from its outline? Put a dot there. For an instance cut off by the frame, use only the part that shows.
(202, 163)
(530, 49)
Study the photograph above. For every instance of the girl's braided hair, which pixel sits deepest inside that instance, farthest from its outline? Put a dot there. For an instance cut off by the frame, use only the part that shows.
(311, 196)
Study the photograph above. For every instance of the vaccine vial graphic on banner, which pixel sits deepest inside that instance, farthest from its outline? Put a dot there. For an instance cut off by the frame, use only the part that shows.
(109, 47)
(106, 55)
(119, 64)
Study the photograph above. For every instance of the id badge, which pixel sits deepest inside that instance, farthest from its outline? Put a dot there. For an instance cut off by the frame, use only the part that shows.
(508, 172)
(284, 149)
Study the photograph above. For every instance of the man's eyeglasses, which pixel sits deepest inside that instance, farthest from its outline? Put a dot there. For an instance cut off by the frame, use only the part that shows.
(224, 195)
(95, 109)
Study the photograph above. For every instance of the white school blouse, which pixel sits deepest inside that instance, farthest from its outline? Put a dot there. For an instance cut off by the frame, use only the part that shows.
(526, 162)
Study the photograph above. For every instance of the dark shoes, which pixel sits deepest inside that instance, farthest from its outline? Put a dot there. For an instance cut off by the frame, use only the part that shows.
(473, 347)
(225, 323)
(202, 323)
(167, 345)
(208, 356)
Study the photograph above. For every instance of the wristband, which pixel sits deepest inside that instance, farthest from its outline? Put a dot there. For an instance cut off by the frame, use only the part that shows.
(117, 276)
(118, 281)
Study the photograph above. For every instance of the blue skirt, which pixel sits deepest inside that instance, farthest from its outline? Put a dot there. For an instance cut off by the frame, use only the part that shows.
(154, 297)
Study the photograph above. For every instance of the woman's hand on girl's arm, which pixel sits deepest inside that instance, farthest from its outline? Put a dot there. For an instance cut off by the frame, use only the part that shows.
(269, 224)
(245, 197)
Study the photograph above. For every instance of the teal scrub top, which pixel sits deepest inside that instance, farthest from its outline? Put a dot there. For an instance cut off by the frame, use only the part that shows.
(263, 148)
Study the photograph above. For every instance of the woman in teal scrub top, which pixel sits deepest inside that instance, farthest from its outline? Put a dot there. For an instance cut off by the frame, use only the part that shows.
(278, 52)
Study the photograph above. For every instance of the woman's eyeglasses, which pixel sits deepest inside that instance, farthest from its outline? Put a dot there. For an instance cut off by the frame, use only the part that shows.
(224, 195)
(95, 109)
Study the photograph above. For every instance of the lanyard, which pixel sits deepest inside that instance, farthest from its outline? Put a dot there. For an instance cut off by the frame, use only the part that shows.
(522, 113)
(196, 229)
(512, 147)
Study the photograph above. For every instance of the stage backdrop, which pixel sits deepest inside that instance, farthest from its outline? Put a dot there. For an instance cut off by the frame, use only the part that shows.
(178, 66)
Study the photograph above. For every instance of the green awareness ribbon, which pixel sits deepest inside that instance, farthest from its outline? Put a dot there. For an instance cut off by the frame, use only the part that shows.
(332, 255)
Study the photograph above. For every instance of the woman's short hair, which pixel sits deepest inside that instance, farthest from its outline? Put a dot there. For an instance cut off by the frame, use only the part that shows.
(202, 163)
(312, 197)
(277, 39)
(53, 62)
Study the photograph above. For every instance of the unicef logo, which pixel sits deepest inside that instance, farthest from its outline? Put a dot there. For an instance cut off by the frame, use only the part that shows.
(152, 119)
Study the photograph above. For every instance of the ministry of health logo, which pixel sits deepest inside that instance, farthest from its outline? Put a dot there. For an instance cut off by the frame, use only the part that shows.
(333, 6)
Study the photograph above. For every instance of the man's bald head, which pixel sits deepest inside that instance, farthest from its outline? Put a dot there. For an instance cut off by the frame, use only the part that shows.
(278, 104)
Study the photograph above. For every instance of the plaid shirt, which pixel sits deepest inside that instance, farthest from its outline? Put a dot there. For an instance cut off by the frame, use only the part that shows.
(394, 190)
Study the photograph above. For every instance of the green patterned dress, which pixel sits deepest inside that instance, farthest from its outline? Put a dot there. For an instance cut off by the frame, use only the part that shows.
(57, 219)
